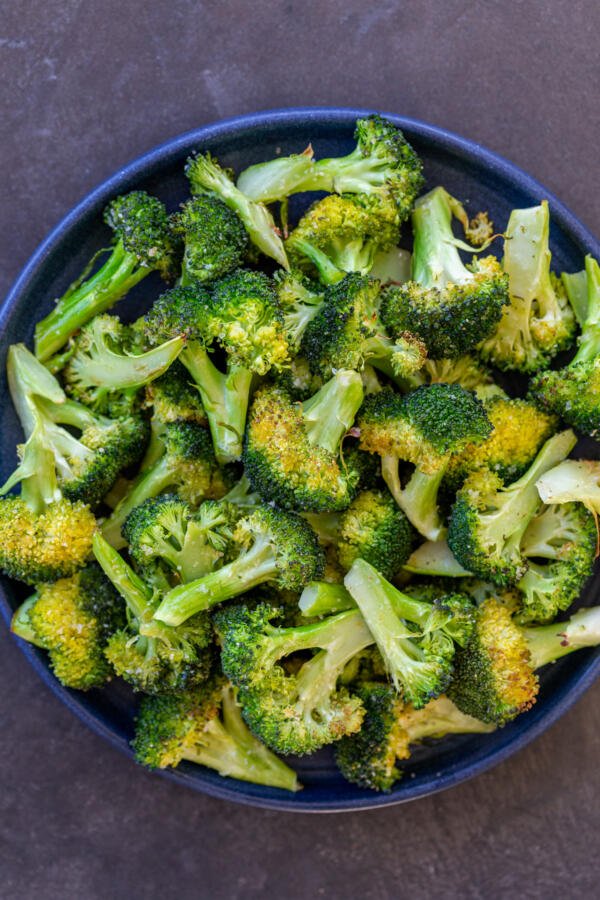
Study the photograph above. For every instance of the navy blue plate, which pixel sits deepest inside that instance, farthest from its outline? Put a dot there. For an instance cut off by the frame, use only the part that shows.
(483, 181)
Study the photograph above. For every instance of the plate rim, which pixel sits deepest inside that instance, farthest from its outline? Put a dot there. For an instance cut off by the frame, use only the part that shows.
(204, 781)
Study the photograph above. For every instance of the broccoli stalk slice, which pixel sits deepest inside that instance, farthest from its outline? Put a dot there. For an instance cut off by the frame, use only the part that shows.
(436, 260)
(439, 718)
(572, 481)
(36, 472)
(278, 178)
(384, 608)
(21, 623)
(418, 500)
(329, 273)
(331, 412)
(320, 598)
(548, 643)
(119, 274)
(135, 592)
(589, 340)
(229, 747)
(225, 397)
(205, 175)
(435, 558)
(576, 288)
(252, 568)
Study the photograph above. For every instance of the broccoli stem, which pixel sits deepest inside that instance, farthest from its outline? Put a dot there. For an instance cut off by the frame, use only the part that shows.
(320, 598)
(21, 623)
(527, 257)
(548, 643)
(435, 558)
(149, 483)
(436, 260)
(231, 749)
(137, 595)
(589, 341)
(575, 285)
(438, 718)
(418, 500)
(225, 397)
(330, 413)
(328, 271)
(277, 178)
(254, 567)
(118, 371)
(121, 271)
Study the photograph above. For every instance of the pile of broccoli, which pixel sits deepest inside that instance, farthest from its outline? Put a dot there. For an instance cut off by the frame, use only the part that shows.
(297, 503)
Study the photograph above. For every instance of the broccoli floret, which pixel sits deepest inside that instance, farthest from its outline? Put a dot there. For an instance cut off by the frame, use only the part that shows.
(72, 619)
(347, 333)
(83, 468)
(273, 547)
(424, 428)
(415, 638)
(560, 546)
(376, 530)
(104, 365)
(519, 429)
(300, 300)
(205, 726)
(206, 177)
(574, 391)
(292, 453)
(295, 711)
(494, 678)
(339, 234)
(144, 241)
(538, 322)
(164, 531)
(489, 520)
(187, 465)
(382, 165)
(215, 240)
(151, 656)
(464, 370)
(390, 727)
(243, 315)
(449, 306)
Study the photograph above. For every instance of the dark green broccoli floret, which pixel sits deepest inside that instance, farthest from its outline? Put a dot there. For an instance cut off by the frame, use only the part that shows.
(390, 727)
(346, 333)
(382, 165)
(488, 520)
(424, 428)
(185, 544)
(574, 391)
(449, 306)
(292, 454)
(376, 530)
(82, 468)
(273, 546)
(144, 241)
(207, 177)
(187, 465)
(242, 315)
(151, 656)
(104, 370)
(538, 322)
(519, 430)
(494, 678)
(300, 710)
(215, 240)
(415, 638)
(560, 547)
(205, 726)
(72, 619)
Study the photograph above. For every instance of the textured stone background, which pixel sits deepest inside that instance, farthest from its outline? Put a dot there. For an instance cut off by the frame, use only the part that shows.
(87, 86)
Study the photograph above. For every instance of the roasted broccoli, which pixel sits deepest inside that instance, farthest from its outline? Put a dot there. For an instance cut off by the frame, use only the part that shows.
(151, 656)
(300, 300)
(415, 638)
(389, 729)
(293, 454)
(574, 391)
(206, 177)
(144, 241)
(297, 710)
(187, 465)
(572, 481)
(494, 678)
(424, 428)
(449, 306)
(489, 520)
(273, 546)
(376, 530)
(538, 322)
(215, 240)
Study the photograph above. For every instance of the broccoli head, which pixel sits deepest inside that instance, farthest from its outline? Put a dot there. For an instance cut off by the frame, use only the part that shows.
(376, 530)
(215, 240)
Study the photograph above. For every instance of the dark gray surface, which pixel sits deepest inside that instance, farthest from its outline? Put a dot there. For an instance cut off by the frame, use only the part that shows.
(87, 86)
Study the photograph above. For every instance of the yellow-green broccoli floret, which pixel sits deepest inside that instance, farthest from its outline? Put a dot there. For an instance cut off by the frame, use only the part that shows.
(376, 530)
